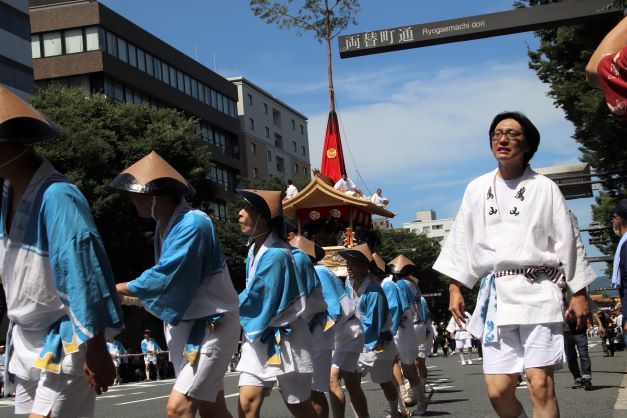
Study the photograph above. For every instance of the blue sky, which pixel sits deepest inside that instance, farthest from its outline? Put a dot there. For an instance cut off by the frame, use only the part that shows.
(415, 122)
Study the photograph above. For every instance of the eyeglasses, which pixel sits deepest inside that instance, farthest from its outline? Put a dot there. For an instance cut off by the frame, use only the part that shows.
(511, 134)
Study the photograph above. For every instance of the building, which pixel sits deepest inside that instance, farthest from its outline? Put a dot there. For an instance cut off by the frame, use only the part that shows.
(383, 224)
(273, 138)
(87, 45)
(16, 64)
(427, 223)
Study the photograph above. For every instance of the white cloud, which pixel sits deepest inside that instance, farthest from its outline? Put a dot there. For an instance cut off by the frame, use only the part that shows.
(440, 122)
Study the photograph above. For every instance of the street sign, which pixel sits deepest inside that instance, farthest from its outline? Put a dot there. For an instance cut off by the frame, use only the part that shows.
(477, 27)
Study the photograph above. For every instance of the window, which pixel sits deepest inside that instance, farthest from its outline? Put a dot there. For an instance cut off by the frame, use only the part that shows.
(214, 99)
(253, 148)
(194, 88)
(233, 109)
(73, 41)
(267, 132)
(207, 95)
(141, 59)
(251, 123)
(265, 108)
(165, 73)
(173, 77)
(434, 227)
(92, 37)
(158, 68)
(302, 150)
(122, 50)
(279, 164)
(305, 172)
(302, 130)
(179, 81)
(269, 156)
(52, 44)
(254, 172)
(294, 146)
(35, 44)
(225, 104)
(296, 169)
(132, 55)
(250, 99)
(188, 84)
(278, 141)
(293, 124)
(426, 229)
(112, 44)
(276, 117)
(220, 102)
(150, 65)
(201, 92)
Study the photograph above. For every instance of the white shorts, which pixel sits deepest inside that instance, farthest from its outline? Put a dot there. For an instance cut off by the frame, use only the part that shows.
(380, 371)
(60, 395)
(345, 360)
(205, 379)
(462, 344)
(425, 349)
(295, 387)
(322, 370)
(151, 358)
(520, 347)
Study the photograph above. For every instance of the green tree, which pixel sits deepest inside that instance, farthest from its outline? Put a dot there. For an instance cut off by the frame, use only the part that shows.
(560, 62)
(325, 22)
(98, 140)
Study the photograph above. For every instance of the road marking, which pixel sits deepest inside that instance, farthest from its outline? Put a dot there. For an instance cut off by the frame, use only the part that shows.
(436, 388)
(276, 387)
(143, 400)
(621, 399)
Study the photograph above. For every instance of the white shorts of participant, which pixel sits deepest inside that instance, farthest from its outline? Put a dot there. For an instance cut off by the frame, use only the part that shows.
(380, 370)
(462, 344)
(322, 360)
(295, 387)
(520, 347)
(150, 358)
(60, 395)
(345, 360)
(425, 349)
(205, 379)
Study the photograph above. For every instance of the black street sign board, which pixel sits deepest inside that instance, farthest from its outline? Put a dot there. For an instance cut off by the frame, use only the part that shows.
(477, 27)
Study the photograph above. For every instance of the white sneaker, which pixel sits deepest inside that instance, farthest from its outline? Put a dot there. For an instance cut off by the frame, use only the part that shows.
(463, 362)
(469, 361)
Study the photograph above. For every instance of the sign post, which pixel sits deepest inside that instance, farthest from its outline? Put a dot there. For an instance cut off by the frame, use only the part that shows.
(478, 27)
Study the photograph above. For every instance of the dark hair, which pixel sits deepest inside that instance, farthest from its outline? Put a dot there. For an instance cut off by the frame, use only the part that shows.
(528, 128)
(289, 181)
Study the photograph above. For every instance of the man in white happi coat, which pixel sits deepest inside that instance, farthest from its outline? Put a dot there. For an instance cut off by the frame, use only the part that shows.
(514, 230)
(463, 338)
(346, 185)
(59, 286)
(378, 198)
(277, 344)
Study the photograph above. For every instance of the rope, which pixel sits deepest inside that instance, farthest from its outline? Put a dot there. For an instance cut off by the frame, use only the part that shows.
(349, 149)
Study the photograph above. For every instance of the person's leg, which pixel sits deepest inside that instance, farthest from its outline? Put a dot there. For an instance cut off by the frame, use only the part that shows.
(336, 393)
(581, 340)
(571, 357)
(250, 401)
(358, 398)
(320, 404)
(407, 396)
(216, 409)
(180, 406)
(502, 394)
(541, 386)
(147, 370)
(296, 392)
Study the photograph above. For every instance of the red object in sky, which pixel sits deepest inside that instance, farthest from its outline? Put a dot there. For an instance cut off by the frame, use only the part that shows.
(332, 155)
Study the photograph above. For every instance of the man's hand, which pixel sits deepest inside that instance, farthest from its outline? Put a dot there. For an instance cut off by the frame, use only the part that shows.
(99, 367)
(456, 303)
(602, 331)
(578, 310)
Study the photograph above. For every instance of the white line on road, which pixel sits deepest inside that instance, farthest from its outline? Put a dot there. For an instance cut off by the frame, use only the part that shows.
(142, 400)
(621, 399)
(275, 387)
(436, 388)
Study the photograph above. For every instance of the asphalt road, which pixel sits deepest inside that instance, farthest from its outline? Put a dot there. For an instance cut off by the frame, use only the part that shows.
(459, 392)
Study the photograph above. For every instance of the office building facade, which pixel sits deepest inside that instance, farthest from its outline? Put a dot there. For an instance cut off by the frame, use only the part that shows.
(273, 139)
(85, 44)
(16, 64)
(427, 223)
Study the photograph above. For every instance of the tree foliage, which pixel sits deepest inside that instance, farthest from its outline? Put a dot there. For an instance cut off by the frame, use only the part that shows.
(309, 17)
(560, 62)
(98, 140)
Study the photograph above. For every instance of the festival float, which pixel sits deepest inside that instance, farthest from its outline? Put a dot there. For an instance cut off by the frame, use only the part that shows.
(331, 218)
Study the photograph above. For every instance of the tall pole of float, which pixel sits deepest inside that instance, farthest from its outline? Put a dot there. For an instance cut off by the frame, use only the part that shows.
(327, 37)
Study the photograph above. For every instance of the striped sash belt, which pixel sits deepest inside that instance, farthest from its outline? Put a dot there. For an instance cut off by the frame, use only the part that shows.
(532, 274)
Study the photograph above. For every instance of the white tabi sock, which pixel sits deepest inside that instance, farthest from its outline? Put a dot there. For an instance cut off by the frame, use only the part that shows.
(461, 356)
(397, 405)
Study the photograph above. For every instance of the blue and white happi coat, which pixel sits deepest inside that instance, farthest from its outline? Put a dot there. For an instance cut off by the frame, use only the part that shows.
(57, 278)
(315, 303)
(405, 337)
(325, 324)
(277, 340)
(190, 283)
